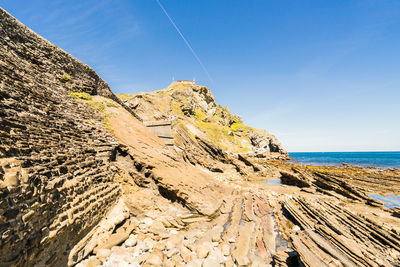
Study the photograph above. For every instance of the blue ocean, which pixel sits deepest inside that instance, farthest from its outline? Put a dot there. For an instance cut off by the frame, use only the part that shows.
(384, 159)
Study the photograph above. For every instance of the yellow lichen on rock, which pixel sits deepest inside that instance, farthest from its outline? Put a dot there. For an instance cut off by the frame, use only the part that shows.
(195, 105)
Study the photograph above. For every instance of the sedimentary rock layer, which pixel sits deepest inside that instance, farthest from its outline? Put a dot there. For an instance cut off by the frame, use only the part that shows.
(55, 180)
(61, 163)
(192, 108)
(82, 181)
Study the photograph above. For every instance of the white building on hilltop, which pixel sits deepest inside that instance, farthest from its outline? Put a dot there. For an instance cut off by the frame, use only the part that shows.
(185, 82)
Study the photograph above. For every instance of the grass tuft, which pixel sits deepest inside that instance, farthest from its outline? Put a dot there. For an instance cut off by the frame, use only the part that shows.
(107, 122)
(67, 77)
(81, 95)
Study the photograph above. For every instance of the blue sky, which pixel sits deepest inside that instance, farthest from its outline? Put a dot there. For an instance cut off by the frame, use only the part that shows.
(320, 75)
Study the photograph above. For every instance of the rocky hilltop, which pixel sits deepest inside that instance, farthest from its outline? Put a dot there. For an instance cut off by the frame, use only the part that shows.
(203, 132)
(85, 180)
(192, 108)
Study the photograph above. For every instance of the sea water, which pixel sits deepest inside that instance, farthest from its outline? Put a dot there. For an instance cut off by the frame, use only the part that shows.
(384, 159)
(390, 201)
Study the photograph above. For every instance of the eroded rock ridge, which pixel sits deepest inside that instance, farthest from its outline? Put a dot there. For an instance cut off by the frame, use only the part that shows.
(84, 182)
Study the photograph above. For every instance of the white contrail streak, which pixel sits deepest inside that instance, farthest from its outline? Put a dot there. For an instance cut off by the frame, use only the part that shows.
(186, 41)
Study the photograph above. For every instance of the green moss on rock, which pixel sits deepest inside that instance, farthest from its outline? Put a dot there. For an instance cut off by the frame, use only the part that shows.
(81, 95)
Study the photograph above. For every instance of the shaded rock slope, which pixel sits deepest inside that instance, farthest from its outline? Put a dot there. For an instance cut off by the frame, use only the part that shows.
(83, 181)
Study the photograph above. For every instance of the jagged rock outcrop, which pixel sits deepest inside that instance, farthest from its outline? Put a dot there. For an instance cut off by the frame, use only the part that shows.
(28, 59)
(55, 182)
(330, 234)
(83, 182)
(194, 108)
(59, 174)
(349, 181)
(266, 225)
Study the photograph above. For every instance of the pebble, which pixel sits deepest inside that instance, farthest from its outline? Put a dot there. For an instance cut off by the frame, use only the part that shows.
(170, 245)
(173, 232)
(296, 228)
(160, 246)
(203, 249)
(148, 243)
(103, 253)
(148, 221)
(155, 257)
(226, 249)
(178, 259)
(143, 226)
(186, 254)
(171, 252)
(131, 241)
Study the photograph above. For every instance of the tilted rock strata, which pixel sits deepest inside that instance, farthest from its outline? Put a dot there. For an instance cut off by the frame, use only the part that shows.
(243, 233)
(151, 162)
(280, 225)
(194, 108)
(55, 180)
(84, 182)
(58, 179)
(29, 60)
(333, 235)
(353, 182)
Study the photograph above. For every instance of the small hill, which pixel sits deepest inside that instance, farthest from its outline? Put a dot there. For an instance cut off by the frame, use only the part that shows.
(192, 108)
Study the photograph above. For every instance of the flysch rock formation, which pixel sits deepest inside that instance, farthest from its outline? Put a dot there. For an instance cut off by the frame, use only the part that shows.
(84, 182)
(58, 177)
(205, 133)
(193, 108)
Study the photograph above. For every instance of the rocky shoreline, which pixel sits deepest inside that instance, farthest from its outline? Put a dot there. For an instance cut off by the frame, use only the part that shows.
(327, 222)
(84, 182)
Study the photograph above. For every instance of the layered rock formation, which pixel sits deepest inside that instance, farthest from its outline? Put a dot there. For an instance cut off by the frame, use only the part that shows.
(84, 182)
(55, 182)
(57, 151)
(192, 108)
(266, 224)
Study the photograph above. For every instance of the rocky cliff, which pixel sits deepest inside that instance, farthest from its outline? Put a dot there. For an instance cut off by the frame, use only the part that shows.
(84, 182)
(58, 153)
(193, 108)
(55, 182)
